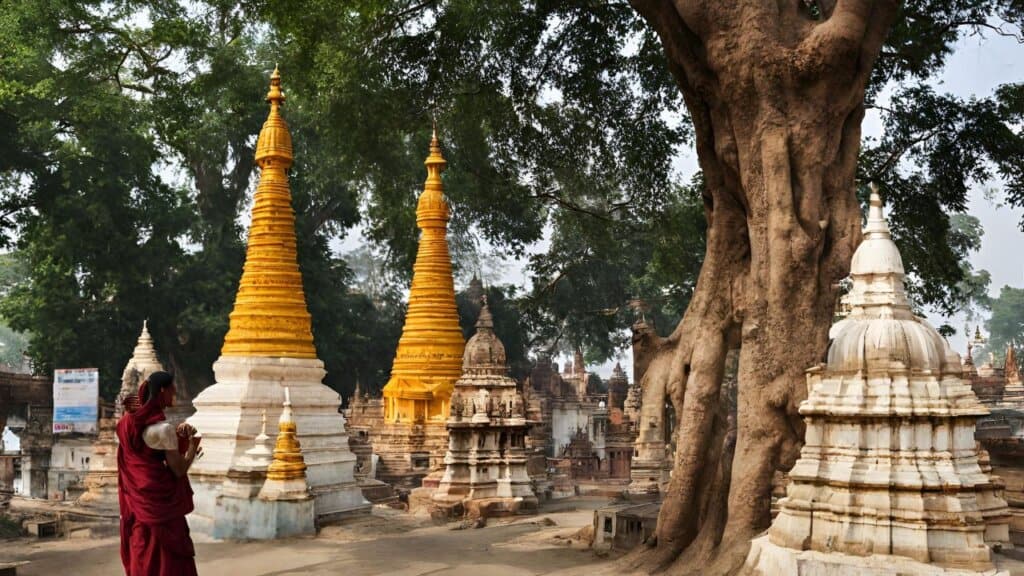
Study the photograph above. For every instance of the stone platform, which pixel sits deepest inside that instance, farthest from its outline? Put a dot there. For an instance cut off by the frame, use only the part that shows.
(767, 559)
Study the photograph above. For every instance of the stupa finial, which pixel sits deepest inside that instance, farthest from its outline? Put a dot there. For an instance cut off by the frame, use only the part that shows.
(485, 321)
(435, 160)
(275, 96)
(877, 225)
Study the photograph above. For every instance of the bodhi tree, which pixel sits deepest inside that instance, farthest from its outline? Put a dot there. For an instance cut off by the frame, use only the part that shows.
(775, 92)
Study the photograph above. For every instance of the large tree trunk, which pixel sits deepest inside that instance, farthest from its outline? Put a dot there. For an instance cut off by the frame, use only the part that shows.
(776, 95)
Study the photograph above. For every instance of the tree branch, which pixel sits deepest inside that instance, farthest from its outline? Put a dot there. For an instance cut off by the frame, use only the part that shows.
(569, 205)
(898, 153)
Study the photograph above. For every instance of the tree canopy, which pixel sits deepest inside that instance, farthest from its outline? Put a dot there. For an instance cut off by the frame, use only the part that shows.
(126, 158)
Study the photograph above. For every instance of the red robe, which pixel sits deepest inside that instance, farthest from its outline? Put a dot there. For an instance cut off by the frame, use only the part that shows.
(155, 539)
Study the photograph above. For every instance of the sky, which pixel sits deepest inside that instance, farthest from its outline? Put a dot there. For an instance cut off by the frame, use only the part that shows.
(976, 69)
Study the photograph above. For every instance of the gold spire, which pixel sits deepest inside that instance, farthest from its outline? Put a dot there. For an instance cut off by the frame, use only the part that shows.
(429, 356)
(288, 463)
(270, 317)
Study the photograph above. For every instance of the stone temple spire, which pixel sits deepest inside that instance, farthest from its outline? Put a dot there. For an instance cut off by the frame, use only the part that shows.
(270, 318)
(485, 465)
(145, 352)
(429, 356)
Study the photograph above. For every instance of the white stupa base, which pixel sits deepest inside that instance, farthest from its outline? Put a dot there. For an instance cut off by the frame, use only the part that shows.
(767, 559)
(228, 418)
(262, 519)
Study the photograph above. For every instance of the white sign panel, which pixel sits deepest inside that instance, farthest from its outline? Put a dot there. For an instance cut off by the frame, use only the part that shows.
(76, 396)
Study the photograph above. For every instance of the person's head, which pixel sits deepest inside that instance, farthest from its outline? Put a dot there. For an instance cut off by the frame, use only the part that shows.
(159, 386)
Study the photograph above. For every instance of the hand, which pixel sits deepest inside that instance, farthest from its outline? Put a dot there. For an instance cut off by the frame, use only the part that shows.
(130, 403)
(186, 430)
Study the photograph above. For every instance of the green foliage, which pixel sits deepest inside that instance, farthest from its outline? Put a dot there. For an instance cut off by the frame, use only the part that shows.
(127, 162)
(9, 527)
(937, 146)
(126, 158)
(1006, 324)
(561, 115)
(13, 345)
(551, 114)
(597, 277)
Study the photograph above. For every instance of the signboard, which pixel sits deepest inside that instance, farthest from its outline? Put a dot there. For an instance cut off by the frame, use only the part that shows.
(76, 396)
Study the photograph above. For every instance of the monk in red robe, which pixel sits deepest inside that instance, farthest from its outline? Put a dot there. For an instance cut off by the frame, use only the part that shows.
(153, 458)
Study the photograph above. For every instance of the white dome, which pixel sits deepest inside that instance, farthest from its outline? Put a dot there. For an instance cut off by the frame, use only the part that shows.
(880, 343)
(877, 254)
(881, 332)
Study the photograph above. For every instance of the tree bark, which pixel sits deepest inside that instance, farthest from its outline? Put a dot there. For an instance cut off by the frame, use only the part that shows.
(775, 93)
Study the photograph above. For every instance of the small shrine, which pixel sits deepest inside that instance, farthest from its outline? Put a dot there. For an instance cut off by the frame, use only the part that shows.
(101, 479)
(486, 464)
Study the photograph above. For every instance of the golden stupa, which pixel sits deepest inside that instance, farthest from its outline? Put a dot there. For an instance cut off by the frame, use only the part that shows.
(288, 463)
(270, 318)
(429, 356)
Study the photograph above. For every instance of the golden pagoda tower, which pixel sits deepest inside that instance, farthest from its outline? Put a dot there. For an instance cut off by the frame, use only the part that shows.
(270, 317)
(429, 356)
(268, 350)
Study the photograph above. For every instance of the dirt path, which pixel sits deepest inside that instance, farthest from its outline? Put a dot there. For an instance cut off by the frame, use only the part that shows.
(386, 544)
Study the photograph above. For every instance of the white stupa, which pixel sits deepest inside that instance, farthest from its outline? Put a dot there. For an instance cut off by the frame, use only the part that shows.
(888, 481)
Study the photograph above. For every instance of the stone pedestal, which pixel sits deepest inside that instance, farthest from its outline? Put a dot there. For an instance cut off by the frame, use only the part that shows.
(266, 519)
(228, 416)
(6, 477)
(767, 559)
(649, 477)
(651, 466)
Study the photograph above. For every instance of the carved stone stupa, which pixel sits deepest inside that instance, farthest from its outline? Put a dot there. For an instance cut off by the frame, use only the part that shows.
(269, 345)
(101, 479)
(140, 366)
(486, 464)
(412, 441)
(889, 480)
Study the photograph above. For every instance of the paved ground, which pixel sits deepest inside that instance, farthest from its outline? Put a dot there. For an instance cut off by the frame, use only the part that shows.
(386, 544)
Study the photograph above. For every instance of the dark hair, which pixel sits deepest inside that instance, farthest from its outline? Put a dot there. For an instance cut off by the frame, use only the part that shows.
(156, 382)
